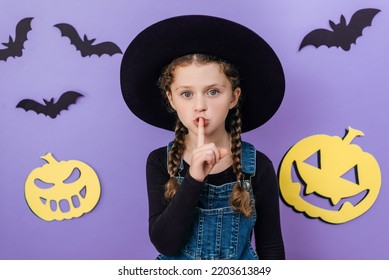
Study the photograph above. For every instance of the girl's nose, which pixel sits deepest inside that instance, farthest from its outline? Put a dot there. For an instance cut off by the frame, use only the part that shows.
(200, 103)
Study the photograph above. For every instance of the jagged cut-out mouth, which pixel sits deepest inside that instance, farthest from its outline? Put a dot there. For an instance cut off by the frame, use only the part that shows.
(65, 205)
(325, 202)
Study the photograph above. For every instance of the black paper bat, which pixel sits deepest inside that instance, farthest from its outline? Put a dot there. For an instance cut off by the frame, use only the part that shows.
(85, 46)
(15, 47)
(342, 34)
(50, 108)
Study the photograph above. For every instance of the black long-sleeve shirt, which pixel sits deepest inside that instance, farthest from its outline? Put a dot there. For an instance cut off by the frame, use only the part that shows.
(169, 222)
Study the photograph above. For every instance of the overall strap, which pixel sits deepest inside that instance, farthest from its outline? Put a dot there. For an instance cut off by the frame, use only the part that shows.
(248, 158)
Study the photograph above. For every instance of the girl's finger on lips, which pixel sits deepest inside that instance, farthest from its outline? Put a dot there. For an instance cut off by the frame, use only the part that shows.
(200, 132)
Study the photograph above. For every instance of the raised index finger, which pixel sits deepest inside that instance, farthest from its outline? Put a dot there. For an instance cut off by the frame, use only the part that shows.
(200, 132)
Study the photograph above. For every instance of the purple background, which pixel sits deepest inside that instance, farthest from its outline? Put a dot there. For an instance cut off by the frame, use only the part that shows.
(327, 90)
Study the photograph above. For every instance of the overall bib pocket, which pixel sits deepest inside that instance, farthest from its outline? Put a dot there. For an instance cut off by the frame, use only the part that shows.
(214, 234)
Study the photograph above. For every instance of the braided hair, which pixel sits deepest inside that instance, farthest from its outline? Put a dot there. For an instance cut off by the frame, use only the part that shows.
(240, 197)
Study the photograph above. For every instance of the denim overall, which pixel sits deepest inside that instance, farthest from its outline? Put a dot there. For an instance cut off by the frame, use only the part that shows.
(219, 232)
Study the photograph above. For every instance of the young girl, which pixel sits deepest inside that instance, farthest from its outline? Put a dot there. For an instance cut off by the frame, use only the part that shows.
(208, 190)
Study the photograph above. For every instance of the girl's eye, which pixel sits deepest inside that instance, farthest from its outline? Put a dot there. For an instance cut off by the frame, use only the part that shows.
(213, 92)
(186, 94)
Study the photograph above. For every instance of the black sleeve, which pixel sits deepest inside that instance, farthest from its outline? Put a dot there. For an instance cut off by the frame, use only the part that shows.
(267, 230)
(169, 223)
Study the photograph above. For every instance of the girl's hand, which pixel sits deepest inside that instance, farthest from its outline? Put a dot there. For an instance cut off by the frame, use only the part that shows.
(205, 156)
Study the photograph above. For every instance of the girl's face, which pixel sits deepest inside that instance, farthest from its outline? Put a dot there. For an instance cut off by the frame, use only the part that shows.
(202, 90)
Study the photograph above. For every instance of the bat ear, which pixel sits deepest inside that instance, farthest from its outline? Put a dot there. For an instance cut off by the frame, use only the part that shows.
(342, 20)
(332, 24)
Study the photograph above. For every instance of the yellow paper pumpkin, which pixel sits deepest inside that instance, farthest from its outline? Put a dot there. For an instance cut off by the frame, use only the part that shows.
(336, 157)
(80, 194)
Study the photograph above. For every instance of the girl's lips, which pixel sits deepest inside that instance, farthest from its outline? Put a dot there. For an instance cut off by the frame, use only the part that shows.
(196, 122)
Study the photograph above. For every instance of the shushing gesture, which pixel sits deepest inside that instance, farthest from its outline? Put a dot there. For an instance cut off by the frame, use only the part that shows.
(205, 156)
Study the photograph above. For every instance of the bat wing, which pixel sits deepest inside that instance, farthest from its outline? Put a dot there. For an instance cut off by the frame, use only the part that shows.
(69, 31)
(15, 47)
(68, 98)
(22, 28)
(105, 48)
(361, 19)
(6, 53)
(319, 37)
(28, 104)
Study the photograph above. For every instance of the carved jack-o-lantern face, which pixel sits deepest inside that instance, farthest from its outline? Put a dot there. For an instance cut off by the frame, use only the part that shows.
(336, 157)
(53, 193)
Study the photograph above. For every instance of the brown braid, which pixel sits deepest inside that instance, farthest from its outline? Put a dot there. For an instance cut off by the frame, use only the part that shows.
(175, 154)
(240, 197)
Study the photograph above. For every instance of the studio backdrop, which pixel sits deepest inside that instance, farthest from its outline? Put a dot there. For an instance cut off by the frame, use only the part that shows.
(72, 156)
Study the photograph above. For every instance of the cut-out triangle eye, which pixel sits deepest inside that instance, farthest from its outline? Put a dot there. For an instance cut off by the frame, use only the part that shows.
(42, 184)
(74, 176)
(314, 160)
(351, 175)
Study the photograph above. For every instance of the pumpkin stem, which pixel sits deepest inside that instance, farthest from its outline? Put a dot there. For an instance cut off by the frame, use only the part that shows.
(351, 133)
(49, 158)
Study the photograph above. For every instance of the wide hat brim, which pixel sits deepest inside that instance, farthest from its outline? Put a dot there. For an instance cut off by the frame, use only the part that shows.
(261, 73)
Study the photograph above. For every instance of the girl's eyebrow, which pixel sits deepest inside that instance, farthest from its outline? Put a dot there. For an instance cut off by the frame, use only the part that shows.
(183, 87)
(208, 86)
(216, 85)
